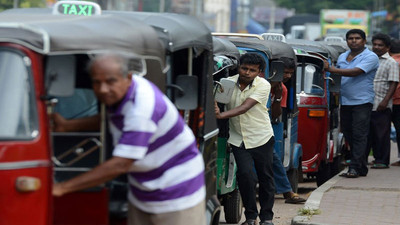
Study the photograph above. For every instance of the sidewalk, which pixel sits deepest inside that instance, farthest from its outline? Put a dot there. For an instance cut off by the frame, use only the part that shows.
(374, 199)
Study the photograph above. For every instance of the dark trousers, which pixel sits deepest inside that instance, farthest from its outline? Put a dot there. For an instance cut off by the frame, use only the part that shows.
(379, 136)
(354, 122)
(260, 159)
(396, 123)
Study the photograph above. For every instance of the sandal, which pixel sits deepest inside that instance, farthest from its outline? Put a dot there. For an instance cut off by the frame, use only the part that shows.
(295, 199)
(395, 163)
(379, 166)
(352, 173)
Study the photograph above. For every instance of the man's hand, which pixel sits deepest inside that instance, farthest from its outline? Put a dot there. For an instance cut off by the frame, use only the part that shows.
(58, 123)
(217, 111)
(382, 105)
(326, 65)
(57, 190)
(277, 89)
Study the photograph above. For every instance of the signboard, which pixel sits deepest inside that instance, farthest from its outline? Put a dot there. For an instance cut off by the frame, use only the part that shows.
(79, 8)
(273, 37)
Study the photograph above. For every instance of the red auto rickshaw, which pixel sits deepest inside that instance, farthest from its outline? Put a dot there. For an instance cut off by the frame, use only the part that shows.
(317, 99)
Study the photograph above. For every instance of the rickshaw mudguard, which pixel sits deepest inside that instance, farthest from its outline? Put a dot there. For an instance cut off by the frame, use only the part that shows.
(226, 168)
(297, 154)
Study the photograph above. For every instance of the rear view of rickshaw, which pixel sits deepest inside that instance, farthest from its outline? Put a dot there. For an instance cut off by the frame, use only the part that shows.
(43, 60)
(318, 111)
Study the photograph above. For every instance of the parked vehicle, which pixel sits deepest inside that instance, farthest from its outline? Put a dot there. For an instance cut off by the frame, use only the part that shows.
(336, 22)
(318, 110)
(43, 59)
(285, 131)
(226, 61)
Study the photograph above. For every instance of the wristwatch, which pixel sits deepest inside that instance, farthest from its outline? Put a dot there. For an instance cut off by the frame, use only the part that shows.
(278, 99)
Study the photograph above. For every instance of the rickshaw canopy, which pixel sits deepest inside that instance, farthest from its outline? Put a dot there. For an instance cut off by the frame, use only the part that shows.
(177, 31)
(50, 34)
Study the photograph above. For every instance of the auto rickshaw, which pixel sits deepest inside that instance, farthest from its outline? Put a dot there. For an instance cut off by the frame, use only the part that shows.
(43, 60)
(318, 110)
(226, 61)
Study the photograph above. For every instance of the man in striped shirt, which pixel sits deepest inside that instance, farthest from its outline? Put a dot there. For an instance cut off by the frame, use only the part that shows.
(385, 83)
(152, 144)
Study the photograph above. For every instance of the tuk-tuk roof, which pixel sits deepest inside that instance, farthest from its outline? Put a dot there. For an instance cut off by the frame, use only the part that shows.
(339, 46)
(177, 31)
(312, 46)
(60, 34)
(253, 43)
(309, 58)
(280, 49)
(222, 46)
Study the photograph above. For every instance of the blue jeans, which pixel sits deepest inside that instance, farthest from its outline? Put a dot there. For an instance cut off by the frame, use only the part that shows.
(282, 184)
(355, 122)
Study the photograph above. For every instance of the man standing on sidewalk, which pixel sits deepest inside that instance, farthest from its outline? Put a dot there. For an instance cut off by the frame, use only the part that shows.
(357, 67)
(385, 82)
(395, 54)
(252, 138)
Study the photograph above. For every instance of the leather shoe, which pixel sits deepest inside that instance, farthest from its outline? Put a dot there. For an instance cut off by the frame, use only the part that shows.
(267, 222)
(249, 222)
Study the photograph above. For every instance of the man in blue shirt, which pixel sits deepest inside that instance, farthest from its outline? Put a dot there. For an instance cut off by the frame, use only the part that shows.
(357, 67)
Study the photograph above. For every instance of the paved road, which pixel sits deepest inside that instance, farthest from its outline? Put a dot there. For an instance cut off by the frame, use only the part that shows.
(284, 212)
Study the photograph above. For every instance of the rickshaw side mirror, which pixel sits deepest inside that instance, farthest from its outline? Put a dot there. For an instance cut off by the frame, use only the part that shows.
(186, 92)
(334, 82)
(276, 71)
(60, 75)
(223, 90)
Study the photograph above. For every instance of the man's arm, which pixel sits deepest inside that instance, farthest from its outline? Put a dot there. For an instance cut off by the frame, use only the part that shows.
(353, 72)
(276, 109)
(243, 108)
(104, 172)
(60, 124)
(383, 104)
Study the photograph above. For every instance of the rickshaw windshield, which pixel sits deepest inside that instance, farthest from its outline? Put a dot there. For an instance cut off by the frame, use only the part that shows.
(309, 80)
(18, 115)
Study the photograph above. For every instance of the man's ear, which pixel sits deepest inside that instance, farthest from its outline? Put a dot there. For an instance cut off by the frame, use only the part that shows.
(129, 76)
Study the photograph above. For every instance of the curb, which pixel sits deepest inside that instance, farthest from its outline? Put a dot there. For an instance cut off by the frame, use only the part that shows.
(314, 201)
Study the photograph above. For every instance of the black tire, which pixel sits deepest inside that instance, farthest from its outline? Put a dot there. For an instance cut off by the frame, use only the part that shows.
(293, 176)
(337, 165)
(233, 207)
(323, 173)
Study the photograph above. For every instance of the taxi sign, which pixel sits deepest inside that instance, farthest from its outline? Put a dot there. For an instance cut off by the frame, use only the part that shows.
(273, 37)
(79, 8)
(334, 39)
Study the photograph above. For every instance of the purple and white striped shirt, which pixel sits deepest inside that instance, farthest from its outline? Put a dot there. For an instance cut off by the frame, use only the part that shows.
(168, 174)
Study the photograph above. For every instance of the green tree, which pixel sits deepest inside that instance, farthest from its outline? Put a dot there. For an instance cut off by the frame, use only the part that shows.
(9, 4)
